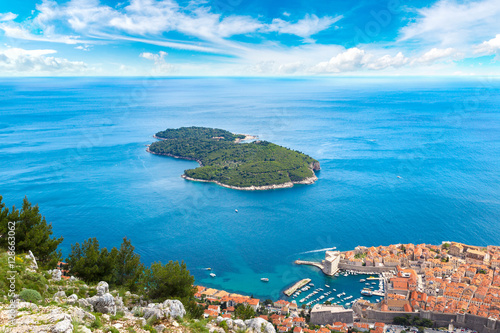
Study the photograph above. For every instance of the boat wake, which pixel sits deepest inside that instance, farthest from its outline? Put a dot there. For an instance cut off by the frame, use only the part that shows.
(320, 250)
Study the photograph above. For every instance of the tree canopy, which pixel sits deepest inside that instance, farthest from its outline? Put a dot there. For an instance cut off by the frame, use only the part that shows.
(32, 232)
(258, 163)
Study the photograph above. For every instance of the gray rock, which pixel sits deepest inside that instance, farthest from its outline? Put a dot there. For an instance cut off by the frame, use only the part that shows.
(56, 275)
(239, 324)
(27, 305)
(60, 294)
(64, 326)
(102, 288)
(174, 309)
(153, 312)
(81, 315)
(229, 322)
(103, 303)
(84, 304)
(260, 325)
(160, 328)
(84, 329)
(127, 293)
(72, 299)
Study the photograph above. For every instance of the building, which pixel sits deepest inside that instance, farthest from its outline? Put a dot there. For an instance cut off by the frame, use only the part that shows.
(331, 262)
(328, 314)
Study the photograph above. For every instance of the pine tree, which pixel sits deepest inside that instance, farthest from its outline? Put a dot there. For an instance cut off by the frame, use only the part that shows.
(127, 266)
(32, 233)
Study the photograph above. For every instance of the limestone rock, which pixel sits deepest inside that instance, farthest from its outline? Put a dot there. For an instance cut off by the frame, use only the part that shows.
(84, 329)
(60, 294)
(102, 288)
(239, 324)
(153, 312)
(103, 303)
(174, 308)
(84, 304)
(160, 328)
(72, 299)
(56, 275)
(260, 325)
(27, 305)
(64, 326)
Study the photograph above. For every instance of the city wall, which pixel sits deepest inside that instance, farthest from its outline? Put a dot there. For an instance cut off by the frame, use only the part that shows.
(480, 324)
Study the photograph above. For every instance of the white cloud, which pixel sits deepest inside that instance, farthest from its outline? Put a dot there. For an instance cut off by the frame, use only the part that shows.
(434, 55)
(83, 47)
(489, 47)
(17, 60)
(160, 65)
(355, 59)
(305, 28)
(454, 23)
(7, 16)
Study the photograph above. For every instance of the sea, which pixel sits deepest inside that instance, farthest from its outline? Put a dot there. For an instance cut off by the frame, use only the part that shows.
(403, 159)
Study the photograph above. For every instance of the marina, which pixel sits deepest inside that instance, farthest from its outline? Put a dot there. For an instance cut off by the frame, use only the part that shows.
(344, 288)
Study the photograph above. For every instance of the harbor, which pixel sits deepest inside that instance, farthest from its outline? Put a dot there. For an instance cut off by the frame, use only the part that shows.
(343, 288)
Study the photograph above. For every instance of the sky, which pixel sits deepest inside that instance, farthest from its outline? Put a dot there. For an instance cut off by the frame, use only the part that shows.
(249, 38)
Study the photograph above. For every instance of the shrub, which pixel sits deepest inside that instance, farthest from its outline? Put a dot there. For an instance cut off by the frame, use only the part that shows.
(150, 329)
(30, 295)
(96, 323)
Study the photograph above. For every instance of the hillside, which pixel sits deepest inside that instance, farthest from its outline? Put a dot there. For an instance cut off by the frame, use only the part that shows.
(255, 165)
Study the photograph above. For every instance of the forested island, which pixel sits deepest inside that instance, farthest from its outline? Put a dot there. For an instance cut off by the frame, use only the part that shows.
(225, 160)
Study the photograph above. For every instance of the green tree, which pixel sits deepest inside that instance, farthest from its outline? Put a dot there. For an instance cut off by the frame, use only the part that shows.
(244, 311)
(32, 232)
(90, 263)
(127, 267)
(171, 280)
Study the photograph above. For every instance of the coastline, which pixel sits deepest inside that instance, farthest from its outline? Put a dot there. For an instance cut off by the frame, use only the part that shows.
(247, 137)
(306, 181)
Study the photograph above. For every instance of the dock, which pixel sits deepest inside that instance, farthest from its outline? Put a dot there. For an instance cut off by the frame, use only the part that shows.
(310, 263)
(296, 286)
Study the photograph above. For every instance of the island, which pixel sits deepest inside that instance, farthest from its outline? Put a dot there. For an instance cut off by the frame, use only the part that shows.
(227, 160)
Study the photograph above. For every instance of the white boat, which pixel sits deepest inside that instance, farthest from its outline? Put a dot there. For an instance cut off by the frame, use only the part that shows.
(362, 280)
(236, 211)
(327, 286)
(264, 279)
(212, 275)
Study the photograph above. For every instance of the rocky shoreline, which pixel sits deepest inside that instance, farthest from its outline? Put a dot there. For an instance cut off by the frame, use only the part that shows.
(306, 181)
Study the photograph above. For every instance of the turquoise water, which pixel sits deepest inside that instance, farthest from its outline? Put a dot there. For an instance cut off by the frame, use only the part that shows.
(77, 148)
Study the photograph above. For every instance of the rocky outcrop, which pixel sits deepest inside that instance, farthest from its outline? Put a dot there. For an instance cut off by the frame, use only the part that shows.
(315, 166)
(103, 302)
(174, 308)
(64, 326)
(260, 325)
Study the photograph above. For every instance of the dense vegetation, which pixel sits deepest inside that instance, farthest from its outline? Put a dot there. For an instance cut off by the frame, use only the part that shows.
(31, 232)
(198, 133)
(120, 267)
(407, 320)
(257, 163)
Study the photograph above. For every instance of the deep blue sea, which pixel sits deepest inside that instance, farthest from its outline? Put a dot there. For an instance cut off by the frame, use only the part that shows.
(402, 160)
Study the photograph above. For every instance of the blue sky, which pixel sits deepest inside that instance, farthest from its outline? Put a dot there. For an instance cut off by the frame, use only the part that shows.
(246, 38)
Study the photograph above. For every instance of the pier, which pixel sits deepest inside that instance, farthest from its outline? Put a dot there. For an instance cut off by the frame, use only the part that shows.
(296, 286)
(310, 263)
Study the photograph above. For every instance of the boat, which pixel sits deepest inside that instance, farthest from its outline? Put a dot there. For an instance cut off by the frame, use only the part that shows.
(236, 211)
(366, 292)
(362, 280)
(372, 278)
(264, 280)
(212, 275)
(327, 286)
(208, 269)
